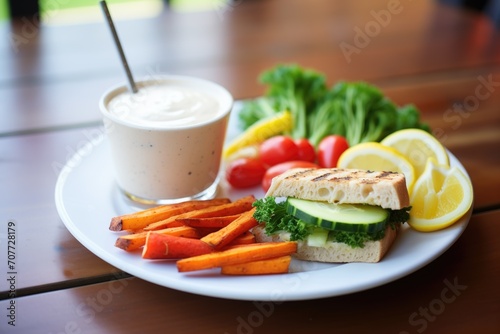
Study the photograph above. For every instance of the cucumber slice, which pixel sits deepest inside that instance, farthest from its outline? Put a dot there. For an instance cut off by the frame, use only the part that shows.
(318, 237)
(339, 217)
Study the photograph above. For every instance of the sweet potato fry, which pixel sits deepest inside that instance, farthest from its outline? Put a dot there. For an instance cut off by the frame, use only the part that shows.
(244, 239)
(227, 234)
(250, 253)
(277, 265)
(135, 241)
(218, 222)
(164, 246)
(236, 207)
(141, 219)
(203, 231)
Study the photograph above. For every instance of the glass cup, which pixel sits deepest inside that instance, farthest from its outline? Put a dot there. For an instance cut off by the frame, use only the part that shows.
(166, 140)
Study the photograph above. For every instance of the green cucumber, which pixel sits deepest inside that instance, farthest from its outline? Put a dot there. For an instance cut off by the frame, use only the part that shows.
(318, 237)
(339, 217)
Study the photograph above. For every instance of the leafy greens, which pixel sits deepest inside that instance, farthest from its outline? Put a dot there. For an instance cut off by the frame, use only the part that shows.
(356, 110)
(276, 219)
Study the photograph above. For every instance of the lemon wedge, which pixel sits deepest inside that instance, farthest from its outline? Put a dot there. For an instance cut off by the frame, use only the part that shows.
(417, 146)
(260, 131)
(377, 157)
(441, 196)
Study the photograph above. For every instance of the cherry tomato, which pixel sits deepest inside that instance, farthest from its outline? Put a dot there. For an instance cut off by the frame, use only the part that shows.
(329, 150)
(278, 149)
(245, 172)
(283, 167)
(306, 150)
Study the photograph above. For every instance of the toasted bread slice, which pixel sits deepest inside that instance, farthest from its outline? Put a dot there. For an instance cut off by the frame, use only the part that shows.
(336, 185)
(335, 252)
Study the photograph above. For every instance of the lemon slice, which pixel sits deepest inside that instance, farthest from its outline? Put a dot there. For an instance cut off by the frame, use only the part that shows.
(259, 132)
(417, 146)
(377, 157)
(441, 196)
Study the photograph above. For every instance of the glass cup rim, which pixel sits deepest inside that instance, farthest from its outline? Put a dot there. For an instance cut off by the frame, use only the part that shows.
(223, 96)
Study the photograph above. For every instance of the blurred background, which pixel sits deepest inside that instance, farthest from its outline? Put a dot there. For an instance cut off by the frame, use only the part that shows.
(57, 58)
(57, 49)
(85, 11)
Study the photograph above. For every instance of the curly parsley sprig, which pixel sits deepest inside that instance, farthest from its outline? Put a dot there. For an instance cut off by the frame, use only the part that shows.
(276, 219)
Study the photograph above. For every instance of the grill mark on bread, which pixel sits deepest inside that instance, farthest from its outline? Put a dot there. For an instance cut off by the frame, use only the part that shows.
(341, 178)
(321, 177)
(371, 176)
(383, 188)
(299, 173)
(385, 174)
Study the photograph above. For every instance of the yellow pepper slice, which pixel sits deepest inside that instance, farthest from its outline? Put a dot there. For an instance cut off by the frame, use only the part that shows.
(260, 131)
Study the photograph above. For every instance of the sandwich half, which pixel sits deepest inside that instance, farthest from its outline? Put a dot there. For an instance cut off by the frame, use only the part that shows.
(335, 215)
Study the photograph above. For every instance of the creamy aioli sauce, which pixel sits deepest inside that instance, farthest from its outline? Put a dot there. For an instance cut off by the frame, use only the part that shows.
(164, 105)
(166, 140)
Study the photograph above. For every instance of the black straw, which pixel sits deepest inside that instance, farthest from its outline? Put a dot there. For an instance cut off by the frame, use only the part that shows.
(130, 79)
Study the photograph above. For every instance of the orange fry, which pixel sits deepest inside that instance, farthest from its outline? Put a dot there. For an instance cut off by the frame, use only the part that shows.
(141, 219)
(250, 253)
(164, 246)
(277, 265)
(227, 234)
(236, 207)
(243, 239)
(209, 221)
(135, 241)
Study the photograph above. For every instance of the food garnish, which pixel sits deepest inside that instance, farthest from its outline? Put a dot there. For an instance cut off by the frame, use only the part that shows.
(356, 110)
(260, 130)
(299, 107)
(377, 157)
(440, 197)
(417, 146)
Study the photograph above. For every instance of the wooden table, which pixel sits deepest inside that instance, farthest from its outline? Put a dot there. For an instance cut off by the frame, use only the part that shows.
(446, 60)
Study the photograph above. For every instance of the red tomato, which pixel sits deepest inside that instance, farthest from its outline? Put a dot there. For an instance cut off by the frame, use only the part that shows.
(306, 150)
(329, 150)
(278, 149)
(245, 172)
(283, 167)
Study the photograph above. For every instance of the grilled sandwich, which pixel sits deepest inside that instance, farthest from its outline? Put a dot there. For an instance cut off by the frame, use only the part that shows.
(335, 215)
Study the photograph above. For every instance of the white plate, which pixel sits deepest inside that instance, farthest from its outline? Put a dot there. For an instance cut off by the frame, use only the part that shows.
(87, 198)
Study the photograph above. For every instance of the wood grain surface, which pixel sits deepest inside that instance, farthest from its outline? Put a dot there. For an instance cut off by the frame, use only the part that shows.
(443, 59)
